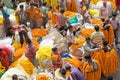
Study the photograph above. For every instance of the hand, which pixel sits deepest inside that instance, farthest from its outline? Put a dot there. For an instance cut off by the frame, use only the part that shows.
(88, 71)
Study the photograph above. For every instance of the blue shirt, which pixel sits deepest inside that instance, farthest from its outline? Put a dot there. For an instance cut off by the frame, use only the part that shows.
(5, 14)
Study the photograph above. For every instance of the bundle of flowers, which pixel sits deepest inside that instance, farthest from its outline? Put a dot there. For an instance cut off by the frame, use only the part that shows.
(18, 53)
(80, 42)
(42, 77)
(39, 33)
(26, 65)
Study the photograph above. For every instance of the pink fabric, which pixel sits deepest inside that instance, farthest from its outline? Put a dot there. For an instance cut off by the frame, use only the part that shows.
(59, 20)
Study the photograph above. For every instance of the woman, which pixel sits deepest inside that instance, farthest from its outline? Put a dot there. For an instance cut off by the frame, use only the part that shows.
(31, 52)
(56, 59)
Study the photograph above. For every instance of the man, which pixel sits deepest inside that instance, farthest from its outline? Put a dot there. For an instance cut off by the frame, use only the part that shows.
(22, 31)
(56, 59)
(97, 36)
(75, 73)
(31, 15)
(22, 15)
(5, 16)
(115, 23)
(61, 20)
(4, 58)
(44, 13)
(70, 36)
(104, 11)
(89, 47)
(91, 68)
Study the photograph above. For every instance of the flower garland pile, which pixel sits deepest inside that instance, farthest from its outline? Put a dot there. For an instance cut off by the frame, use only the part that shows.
(26, 64)
(80, 43)
(39, 33)
(42, 77)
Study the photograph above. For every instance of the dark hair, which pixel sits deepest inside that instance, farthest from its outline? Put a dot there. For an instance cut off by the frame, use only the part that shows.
(1, 5)
(44, 4)
(87, 56)
(31, 4)
(109, 78)
(114, 14)
(105, 43)
(54, 49)
(67, 67)
(63, 71)
(14, 76)
(62, 10)
(87, 38)
(21, 6)
(70, 26)
(8, 33)
(0, 49)
(96, 28)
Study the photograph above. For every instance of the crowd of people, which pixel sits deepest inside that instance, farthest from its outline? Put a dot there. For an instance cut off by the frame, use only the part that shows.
(87, 54)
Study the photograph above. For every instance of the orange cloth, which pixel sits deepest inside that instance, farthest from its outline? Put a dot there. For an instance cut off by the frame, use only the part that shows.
(72, 6)
(109, 34)
(110, 62)
(52, 17)
(38, 15)
(92, 75)
(75, 62)
(31, 12)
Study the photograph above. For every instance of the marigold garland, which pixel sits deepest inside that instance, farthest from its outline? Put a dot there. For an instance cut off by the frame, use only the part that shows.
(39, 33)
(80, 43)
(16, 45)
(18, 53)
(26, 64)
(42, 77)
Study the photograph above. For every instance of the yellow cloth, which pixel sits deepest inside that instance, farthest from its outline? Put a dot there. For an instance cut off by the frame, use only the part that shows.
(94, 12)
(44, 52)
(2, 68)
(52, 3)
(1, 20)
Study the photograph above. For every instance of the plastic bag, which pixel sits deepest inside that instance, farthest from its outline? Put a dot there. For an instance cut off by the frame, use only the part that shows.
(73, 20)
